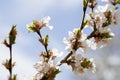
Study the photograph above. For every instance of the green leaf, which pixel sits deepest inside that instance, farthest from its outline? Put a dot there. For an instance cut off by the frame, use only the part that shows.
(12, 35)
(12, 39)
(117, 1)
(107, 23)
(55, 72)
(15, 77)
(46, 40)
(77, 32)
(84, 4)
(108, 14)
(32, 28)
(7, 64)
(105, 35)
(116, 8)
(91, 1)
(85, 22)
(85, 64)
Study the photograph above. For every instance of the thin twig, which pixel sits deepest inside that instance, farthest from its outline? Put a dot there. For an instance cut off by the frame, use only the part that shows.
(46, 48)
(92, 34)
(10, 48)
(84, 13)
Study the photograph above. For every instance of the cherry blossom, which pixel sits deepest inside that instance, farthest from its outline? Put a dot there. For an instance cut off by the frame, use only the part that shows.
(42, 66)
(82, 42)
(47, 66)
(54, 53)
(100, 21)
(79, 64)
(36, 25)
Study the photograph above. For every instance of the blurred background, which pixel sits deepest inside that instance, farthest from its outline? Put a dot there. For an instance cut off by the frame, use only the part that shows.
(65, 16)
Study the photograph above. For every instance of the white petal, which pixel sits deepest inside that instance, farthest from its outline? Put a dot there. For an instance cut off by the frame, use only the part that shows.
(46, 19)
(50, 27)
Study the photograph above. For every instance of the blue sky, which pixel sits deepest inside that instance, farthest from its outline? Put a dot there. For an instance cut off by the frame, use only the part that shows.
(65, 16)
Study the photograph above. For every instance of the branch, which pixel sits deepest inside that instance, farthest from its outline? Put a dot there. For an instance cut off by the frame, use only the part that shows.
(81, 28)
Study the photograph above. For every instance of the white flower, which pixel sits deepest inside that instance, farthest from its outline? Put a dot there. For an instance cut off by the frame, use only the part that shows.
(99, 42)
(42, 66)
(45, 20)
(99, 18)
(38, 76)
(71, 34)
(77, 57)
(85, 43)
(56, 53)
(36, 25)
(104, 16)
(70, 41)
(114, 14)
(69, 46)
(92, 44)
(105, 30)
(106, 8)
(50, 27)
(93, 67)
(76, 65)
(84, 46)
(80, 64)
(82, 42)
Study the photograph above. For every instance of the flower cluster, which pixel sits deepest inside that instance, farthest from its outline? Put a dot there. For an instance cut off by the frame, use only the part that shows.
(46, 67)
(36, 25)
(79, 64)
(77, 39)
(100, 20)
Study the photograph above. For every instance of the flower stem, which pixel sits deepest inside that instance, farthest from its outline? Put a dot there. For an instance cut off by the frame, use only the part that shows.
(95, 29)
(10, 63)
(84, 13)
(39, 34)
(46, 48)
